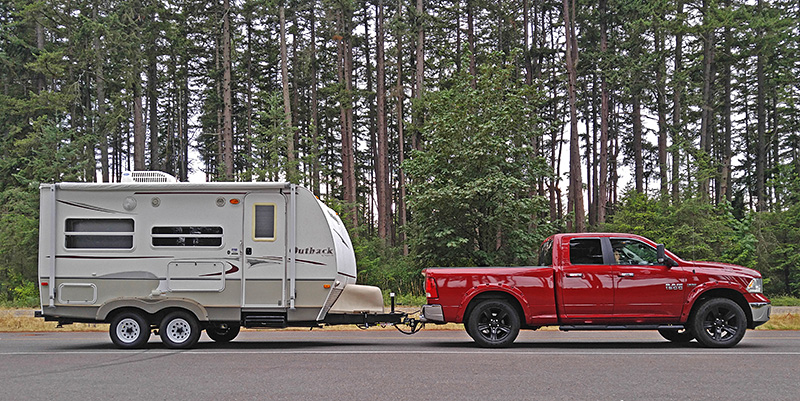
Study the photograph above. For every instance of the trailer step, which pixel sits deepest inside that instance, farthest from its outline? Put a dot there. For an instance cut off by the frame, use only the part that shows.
(265, 320)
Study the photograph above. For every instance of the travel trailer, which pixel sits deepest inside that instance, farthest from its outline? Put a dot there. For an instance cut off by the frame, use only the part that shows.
(151, 254)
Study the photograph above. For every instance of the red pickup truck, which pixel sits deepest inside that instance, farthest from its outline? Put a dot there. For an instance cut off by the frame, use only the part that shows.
(600, 281)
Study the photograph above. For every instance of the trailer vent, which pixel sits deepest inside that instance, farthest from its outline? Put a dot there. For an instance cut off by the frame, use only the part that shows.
(147, 176)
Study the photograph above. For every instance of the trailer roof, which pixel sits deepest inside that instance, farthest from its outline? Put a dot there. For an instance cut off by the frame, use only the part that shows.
(173, 186)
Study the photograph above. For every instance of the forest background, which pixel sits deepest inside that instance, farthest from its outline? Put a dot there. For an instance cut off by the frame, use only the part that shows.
(445, 132)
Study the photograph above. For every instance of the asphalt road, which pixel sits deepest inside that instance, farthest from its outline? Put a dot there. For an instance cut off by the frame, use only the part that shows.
(376, 364)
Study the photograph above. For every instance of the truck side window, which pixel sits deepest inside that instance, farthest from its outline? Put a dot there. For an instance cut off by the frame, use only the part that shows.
(546, 254)
(585, 251)
(632, 252)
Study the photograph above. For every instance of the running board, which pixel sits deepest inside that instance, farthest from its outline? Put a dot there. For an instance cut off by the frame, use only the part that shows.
(590, 327)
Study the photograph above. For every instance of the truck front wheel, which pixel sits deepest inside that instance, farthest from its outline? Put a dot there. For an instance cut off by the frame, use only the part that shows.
(719, 323)
(493, 324)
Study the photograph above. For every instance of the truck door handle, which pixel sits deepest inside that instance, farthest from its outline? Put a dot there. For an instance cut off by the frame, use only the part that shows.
(248, 251)
(626, 274)
(574, 274)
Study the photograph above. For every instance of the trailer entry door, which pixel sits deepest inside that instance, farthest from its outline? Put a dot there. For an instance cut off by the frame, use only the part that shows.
(264, 267)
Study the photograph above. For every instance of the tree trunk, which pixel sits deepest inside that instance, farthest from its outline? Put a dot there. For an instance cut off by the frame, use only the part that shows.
(661, 109)
(346, 115)
(602, 190)
(420, 74)
(315, 151)
(725, 186)
(473, 70)
(761, 116)
(402, 217)
(676, 108)
(576, 182)
(291, 168)
(100, 93)
(638, 159)
(152, 104)
(138, 123)
(227, 95)
(707, 109)
(382, 164)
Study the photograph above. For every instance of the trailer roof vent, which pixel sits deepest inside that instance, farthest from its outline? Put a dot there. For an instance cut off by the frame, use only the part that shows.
(147, 176)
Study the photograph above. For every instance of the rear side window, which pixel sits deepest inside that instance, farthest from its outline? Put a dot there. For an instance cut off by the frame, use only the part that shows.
(585, 251)
(98, 234)
(546, 254)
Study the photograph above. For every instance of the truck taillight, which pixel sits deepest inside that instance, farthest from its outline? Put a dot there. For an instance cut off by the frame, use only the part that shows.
(430, 288)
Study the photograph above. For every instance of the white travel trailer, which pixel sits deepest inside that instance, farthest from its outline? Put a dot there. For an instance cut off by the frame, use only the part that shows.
(152, 254)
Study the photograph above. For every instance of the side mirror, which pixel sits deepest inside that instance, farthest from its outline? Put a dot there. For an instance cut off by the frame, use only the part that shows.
(661, 256)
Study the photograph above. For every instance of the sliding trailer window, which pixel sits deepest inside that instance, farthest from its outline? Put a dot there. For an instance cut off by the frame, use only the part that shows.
(187, 236)
(98, 234)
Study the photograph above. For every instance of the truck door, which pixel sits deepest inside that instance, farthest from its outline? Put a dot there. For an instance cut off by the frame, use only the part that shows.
(643, 287)
(264, 250)
(587, 286)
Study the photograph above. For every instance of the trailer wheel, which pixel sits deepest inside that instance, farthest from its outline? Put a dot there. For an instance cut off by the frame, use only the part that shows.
(129, 330)
(494, 324)
(179, 330)
(222, 332)
(719, 323)
(681, 336)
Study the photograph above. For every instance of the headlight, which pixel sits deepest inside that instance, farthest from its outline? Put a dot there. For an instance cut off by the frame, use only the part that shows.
(756, 286)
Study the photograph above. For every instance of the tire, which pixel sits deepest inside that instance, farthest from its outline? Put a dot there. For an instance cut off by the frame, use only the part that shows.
(719, 323)
(129, 330)
(494, 324)
(179, 330)
(681, 336)
(222, 332)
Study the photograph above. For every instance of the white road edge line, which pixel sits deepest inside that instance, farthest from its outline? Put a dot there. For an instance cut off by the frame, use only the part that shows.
(389, 352)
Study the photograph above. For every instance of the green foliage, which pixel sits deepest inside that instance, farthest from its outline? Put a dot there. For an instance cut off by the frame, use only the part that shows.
(784, 300)
(387, 268)
(693, 229)
(471, 191)
(779, 250)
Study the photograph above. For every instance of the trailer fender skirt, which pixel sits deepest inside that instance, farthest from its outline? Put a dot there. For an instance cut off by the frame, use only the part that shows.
(152, 306)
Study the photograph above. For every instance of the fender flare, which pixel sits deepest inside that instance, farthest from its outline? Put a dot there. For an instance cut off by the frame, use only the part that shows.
(476, 291)
(701, 290)
(152, 306)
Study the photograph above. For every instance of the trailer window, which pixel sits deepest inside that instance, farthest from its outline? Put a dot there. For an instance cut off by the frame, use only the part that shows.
(585, 251)
(98, 234)
(210, 236)
(264, 224)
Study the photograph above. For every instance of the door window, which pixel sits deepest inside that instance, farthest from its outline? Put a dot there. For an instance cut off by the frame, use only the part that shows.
(264, 226)
(632, 252)
(585, 251)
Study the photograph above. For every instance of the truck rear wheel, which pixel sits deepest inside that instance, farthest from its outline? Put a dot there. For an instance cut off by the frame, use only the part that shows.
(719, 323)
(493, 324)
(222, 332)
(129, 330)
(179, 330)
